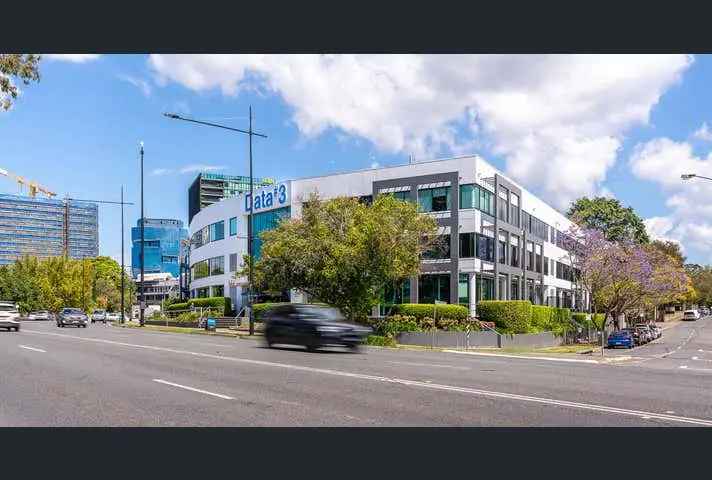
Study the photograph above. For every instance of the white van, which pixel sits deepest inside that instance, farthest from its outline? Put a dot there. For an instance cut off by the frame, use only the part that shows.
(691, 315)
(9, 316)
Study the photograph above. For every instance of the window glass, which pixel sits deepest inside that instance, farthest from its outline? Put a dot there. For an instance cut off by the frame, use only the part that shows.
(434, 287)
(218, 290)
(440, 250)
(434, 199)
(402, 195)
(485, 288)
(463, 290)
(467, 245)
(233, 262)
(233, 226)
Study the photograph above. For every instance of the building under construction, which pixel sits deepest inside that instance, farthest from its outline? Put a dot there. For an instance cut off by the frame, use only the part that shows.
(46, 227)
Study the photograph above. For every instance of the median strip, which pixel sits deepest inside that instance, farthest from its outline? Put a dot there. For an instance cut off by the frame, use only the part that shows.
(185, 387)
(399, 381)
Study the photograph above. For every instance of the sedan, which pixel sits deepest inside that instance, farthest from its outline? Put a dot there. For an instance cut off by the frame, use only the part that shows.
(313, 326)
(112, 316)
(691, 315)
(39, 315)
(72, 316)
(621, 338)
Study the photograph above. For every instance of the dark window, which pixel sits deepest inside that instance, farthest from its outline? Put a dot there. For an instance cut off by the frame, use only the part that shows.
(538, 263)
(233, 226)
(514, 289)
(514, 247)
(485, 288)
(485, 248)
(366, 199)
(403, 195)
(546, 266)
(434, 199)
(503, 205)
(233, 262)
(397, 292)
(218, 290)
(439, 250)
(502, 252)
(434, 287)
(526, 222)
(467, 245)
(463, 290)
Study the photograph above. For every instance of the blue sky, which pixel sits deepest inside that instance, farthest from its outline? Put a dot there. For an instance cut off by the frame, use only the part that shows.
(563, 126)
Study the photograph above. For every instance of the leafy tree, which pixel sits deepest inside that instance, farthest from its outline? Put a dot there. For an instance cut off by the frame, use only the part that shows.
(671, 249)
(610, 217)
(343, 253)
(21, 66)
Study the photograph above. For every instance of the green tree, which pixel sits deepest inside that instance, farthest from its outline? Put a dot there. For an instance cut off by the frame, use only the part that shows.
(671, 249)
(343, 253)
(21, 66)
(610, 217)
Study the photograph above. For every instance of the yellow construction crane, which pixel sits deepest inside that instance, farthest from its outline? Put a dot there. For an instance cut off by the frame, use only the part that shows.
(33, 187)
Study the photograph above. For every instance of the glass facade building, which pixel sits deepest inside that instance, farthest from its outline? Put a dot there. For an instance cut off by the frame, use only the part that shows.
(46, 227)
(162, 251)
(266, 221)
(209, 188)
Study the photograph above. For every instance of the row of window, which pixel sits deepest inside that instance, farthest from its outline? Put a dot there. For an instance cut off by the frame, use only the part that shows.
(209, 233)
(208, 268)
(204, 292)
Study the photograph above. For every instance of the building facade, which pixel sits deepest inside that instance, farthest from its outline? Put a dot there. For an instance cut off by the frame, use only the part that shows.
(209, 188)
(162, 246)
(498, 240)
(158, 287)
(46, 227)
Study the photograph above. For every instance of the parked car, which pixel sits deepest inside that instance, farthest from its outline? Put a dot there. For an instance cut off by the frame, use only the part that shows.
(637, 337)
(657, 331)
(313, 326)
(691, 315)
(98, 316)
(39, 315)
(112, 316)
(645, 334)
(9, 316)
(652, 334)
(72, 316)
(621, 338)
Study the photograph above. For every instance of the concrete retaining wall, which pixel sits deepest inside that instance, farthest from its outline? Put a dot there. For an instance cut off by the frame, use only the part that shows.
(477, 339)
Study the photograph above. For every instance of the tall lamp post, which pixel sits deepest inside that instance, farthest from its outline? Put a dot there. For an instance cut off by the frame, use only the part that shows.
(142, 303)
(250, 133)
(690, 176)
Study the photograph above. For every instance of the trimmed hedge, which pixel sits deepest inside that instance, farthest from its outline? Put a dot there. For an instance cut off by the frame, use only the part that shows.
(423, 310)
(380, 341)
(542, 318)
(258, 309)
(510, 316)
(222, 304)
(392, 326)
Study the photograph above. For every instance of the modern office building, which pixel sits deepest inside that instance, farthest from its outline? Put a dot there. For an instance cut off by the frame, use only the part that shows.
(162, 246)
(209, 188)
(499, 240)
(46, 227)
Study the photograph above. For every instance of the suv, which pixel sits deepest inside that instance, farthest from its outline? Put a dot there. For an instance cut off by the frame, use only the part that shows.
(72, 316)
(9, 316)
(313, 326)
(691, 315)
(98, 316)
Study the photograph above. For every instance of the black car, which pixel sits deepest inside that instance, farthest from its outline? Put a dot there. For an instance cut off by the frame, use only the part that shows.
(313, 326)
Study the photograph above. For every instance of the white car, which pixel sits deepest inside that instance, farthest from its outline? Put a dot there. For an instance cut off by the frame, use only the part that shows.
(9, 316)
(39, 315)
(112, 316)
(98, 316)
(691, 315)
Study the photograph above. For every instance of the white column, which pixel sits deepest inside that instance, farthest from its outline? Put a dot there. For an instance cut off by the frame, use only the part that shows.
(473, 294)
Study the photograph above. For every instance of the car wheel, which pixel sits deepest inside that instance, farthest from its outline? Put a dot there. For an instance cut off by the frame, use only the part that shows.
(312, 347)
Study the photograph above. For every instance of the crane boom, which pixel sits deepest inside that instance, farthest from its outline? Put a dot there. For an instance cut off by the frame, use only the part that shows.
(33, 187)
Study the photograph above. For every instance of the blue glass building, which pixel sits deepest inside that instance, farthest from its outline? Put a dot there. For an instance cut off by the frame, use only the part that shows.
(162, 246)
(45, 227)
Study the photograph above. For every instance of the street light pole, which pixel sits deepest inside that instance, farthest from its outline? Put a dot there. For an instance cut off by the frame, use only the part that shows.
(141, 305)
(250, 133)
(123, 270)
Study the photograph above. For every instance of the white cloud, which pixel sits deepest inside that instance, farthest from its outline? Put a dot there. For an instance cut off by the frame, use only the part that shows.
(200, 167)
(375, 164)
(161, 171)
(72, 57)
(662, 161)
(558, 120)
(703, 133)
(139, 83)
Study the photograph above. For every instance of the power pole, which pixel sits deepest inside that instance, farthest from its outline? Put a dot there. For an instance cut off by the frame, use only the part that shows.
(141, 305)
(249, 238)
(123, 271)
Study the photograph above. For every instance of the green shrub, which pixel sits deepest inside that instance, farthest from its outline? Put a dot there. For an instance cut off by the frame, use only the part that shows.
(380, 341)
(220, 305)
(541, 318)
(392, 326)
(258, 309)
(510, 316)
(422, 310)
(187, 317)
(156, 315)
(598, 319)
(178, 306)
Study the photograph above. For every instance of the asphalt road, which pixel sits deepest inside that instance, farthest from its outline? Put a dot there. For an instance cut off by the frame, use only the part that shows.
(109, 376)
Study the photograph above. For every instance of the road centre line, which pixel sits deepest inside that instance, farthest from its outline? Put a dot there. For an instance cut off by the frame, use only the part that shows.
(32, 348)
(185, 387)
(399, 381)
(415, 364)
(525, 357)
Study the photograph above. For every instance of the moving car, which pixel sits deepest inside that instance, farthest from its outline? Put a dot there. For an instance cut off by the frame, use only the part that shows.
(313, 326)
(9, 316)
(72, 316)
(98, 316)
(39, 315)
(691, 315)
(621, 338)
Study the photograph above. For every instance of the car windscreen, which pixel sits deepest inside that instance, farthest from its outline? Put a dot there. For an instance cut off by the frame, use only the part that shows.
(321, 313)
(72, 311)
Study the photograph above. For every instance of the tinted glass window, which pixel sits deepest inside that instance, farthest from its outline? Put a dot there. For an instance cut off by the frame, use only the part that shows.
(325, 313)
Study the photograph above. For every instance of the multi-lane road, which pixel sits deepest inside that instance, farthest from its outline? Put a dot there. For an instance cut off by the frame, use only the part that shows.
(110, 376)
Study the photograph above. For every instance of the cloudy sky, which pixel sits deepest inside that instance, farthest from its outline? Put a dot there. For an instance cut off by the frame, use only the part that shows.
(565, 126)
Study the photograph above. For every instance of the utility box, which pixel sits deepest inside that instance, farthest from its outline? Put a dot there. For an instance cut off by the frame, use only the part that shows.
(210, 324)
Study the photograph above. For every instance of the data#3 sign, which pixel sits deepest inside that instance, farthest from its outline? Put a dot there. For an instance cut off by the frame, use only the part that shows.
(274, 196)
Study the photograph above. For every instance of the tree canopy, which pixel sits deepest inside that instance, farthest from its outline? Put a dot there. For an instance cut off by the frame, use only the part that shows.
(608, 215)
(343, 252)
(24, 67)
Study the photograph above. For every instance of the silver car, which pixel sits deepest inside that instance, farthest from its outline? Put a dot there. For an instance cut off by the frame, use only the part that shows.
(72, 316)
(39, 315)
(9, 316)
(98, 316)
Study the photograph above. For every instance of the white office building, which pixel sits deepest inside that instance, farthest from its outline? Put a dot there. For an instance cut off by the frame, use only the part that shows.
(501, 241)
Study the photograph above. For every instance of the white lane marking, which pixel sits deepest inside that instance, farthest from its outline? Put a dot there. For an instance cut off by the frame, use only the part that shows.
(400, 381)
(695, 358)
(32, 348)
(696, 369)
(429, 365)
(669, 411)
(683, 366)
(527, 357)
(185, 387)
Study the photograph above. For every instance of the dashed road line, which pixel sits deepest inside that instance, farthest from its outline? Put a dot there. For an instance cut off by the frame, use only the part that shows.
(32, 348)
(192, 389)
